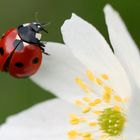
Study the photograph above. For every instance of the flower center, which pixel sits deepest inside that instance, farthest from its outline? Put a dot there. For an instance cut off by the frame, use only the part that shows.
(112, 121)
(102, 110)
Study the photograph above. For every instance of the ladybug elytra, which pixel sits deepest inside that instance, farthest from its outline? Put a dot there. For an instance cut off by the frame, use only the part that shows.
(21, 50)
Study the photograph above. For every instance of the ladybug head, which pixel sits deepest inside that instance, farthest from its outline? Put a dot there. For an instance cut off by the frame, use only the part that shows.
(37, 27)
(32, 27)
(31, 32)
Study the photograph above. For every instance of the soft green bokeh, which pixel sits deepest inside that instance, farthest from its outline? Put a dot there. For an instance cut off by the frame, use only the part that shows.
(15, 94)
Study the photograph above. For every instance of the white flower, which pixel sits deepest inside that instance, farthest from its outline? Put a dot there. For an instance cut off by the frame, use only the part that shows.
(92, 84)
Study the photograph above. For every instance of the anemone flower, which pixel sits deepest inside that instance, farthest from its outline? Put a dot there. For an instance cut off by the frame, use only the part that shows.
(99, 98)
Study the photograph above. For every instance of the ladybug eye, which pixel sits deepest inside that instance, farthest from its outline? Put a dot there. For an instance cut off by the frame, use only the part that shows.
(19, 64)
(35, 60)
(1, 51)
(39, 26)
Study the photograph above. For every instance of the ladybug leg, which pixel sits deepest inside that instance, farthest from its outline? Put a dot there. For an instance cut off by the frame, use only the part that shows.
(43, 50)
(46, 53)
(41, 44)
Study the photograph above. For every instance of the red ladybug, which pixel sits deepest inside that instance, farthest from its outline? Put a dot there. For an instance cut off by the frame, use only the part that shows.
(21, 50)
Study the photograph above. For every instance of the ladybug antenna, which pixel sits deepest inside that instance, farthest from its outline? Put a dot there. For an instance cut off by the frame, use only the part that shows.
(36, 17)
(46, 24)
(44, 30)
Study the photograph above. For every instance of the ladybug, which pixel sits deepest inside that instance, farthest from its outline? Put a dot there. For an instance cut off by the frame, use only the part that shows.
(21, 50)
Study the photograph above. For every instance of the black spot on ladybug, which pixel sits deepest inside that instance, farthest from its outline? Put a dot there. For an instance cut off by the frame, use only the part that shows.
(35, 60)
(19, 64)
(1, 51)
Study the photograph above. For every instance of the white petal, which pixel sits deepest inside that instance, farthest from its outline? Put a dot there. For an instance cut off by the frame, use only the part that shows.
(124, 46)
(92, 50)
(127, 52)
(45, 121)
(132, 130)
(58, 72)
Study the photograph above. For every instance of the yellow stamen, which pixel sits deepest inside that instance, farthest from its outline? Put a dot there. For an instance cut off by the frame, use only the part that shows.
(86, 109)
(99, 81)
(78, 103)
(81, 83)
(108, 89)
(73, 116)
(74, 119)
(73, 134)
(107, 94)
(90, 75)
(93, 124)
(105, 76)
(107, 97)
(86, 99)
(86, 134)
(118, 98)
(98, 112)
(117, 108)
(95, 102)
(88, 138)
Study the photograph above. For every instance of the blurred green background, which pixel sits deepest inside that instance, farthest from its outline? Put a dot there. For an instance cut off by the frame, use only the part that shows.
(15, 94)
